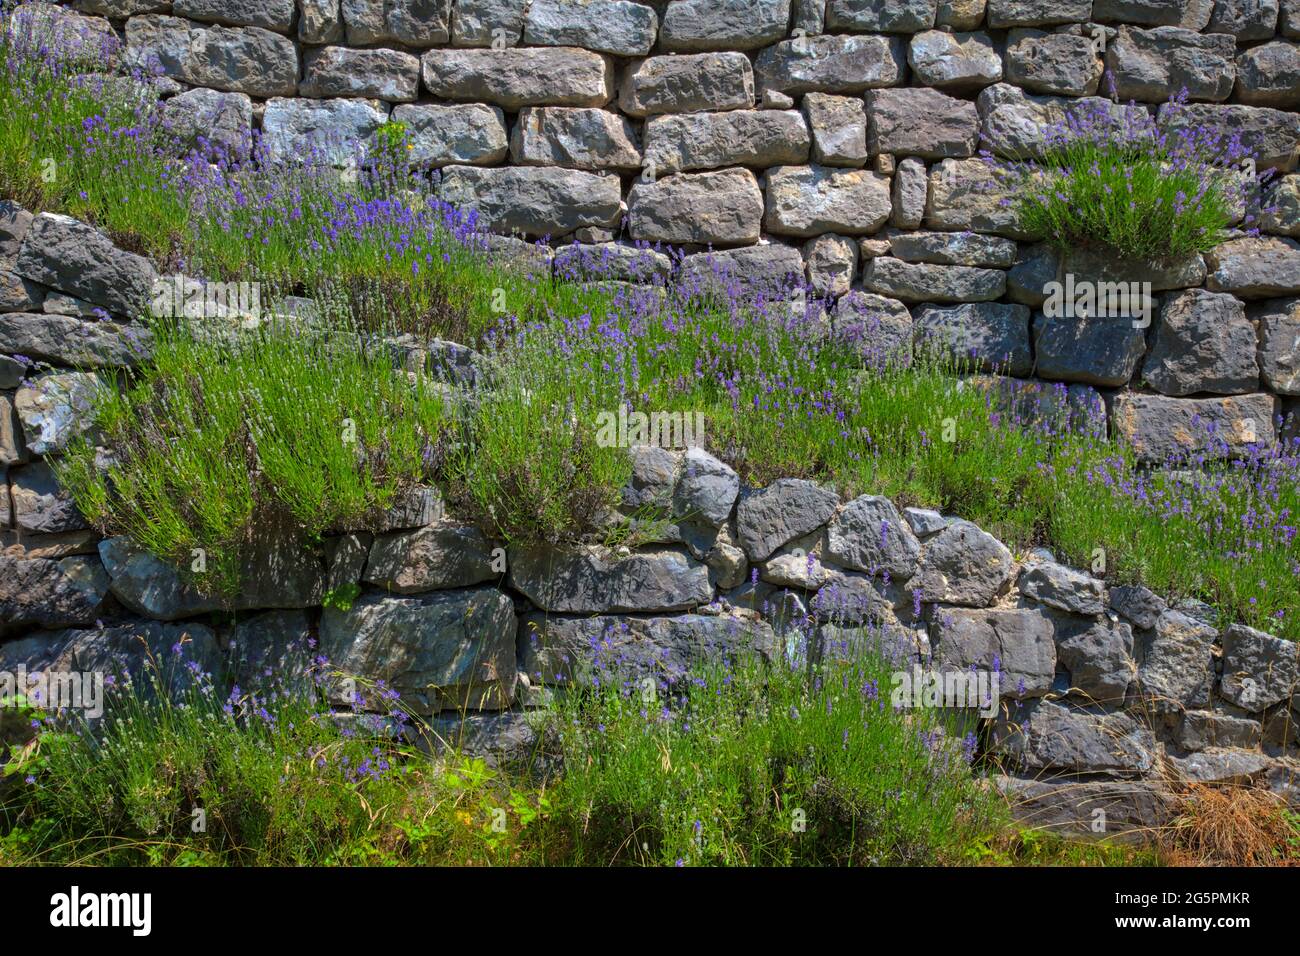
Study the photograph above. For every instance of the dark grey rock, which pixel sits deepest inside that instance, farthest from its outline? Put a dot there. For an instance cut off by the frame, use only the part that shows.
(75, 258)
(963, 565)
(591, 580)
(988, 335)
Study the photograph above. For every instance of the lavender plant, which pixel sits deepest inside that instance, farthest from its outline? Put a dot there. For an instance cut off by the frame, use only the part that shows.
(1113, 176)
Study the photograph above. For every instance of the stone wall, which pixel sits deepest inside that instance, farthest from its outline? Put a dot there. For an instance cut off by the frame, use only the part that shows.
(831, 140)
(835, 142)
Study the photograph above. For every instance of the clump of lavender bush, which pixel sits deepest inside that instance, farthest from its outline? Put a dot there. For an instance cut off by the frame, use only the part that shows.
(1148, 190)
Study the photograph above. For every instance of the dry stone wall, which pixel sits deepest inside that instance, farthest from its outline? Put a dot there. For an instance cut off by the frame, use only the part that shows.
(831, 141)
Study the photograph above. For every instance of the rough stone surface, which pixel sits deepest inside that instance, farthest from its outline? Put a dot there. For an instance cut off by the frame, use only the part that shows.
(39, 504)
(879, 329)
(471, 134)
(963, 565)
(1138, 604)
(1098, 351)
(75, 342)
(514, 78)
(55, 408)
(991, 335)
(618, 27)
(683, 84)
(590, 580)
(954, 61)
(691, 25)
(575, 138)
(381, 74)
(770, 517)
(921, 122)
(870, 535)
(1147, 64)
(839, 129)
(1259, 670)
(1255, 268)
(1269, 75)
(807, 200)
(723, 207)
(1064, 588)
(1053, 63)
(910, 189)
(1133, 810)
(1099, 657)
(953, 248)
(534, 200)
(707, 488)
(414, 23)
(248, 60)
(1278, 321)
(1270, 135)
(926, 282)
(75, 258)
(564, 650)
(479, 23)
(202, 116)
(1014, 643)
(1203, 343)
(692, 141)
(334, 130)
(439, 651)
(1175, 669)
(830, 64)
(1047, 735)
(49, 594)
(1159, 428)
(431, 558)
(1036, 13)
(769, 270)
(967, 194)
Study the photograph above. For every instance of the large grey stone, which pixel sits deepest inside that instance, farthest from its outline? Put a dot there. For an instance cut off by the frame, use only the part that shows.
(770, 517)
(921, 122)
(441, 651)
(1271, 136)
(40, 505)
(830, 64)
(1259, 670)
(881, 16)
(487, 22)
(926, 282)
(878, 329)
(1175, 663)
(619, 27)
(320, 21)
(690, 25)
(723, 207)
(770, 270)
(414, 23)
(430, 559)
(1099, 351)
(683, 84)
(41, 593)
(1269, 75)
(1159, 428)
(970, 194)
(1129, 811)
(870, 535)
(832, 264)
(1152, 65)
(592, 580)
(74, 342)
(470, 134)
(513, 78)
(248, 60)
(839, 129)
(1192, 14)
(707, 488)
(1046, 735)
(622, 262)
(1063, 588)
(56, 408)
(1203, 343)
(807, 200)
(1014, 643)
(963, 565)
(331, 130)
(954, 61)
(1282, 214)
(1203, 729)
(1053, 63)
(339, 71)
(1255, 268)
(910, 190)
(692, 141)
(75, 258)
(1138, 604)
(1099, 657)
(1037, 13)
(614, 648)
(534, 200)
(1278, 321)
(953, 248)
(1235, 767)
(574, 137)
(199, 116)
(1051, 406)
(1016, 124)
(271, 14)
(1245, 19)
(987, 336)
(1095, 266)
